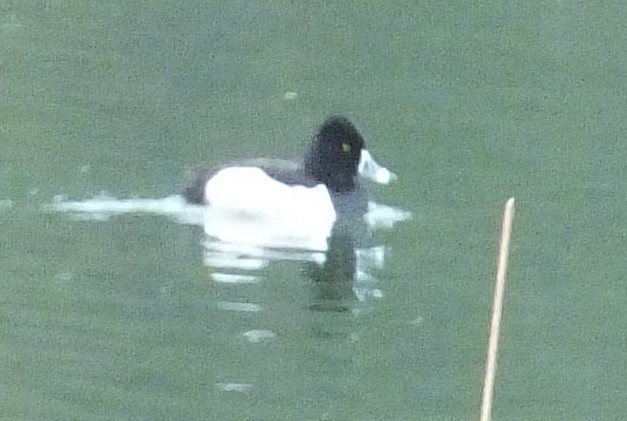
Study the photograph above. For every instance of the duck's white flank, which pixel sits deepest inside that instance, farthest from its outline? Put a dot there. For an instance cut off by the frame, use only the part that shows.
(252, 192)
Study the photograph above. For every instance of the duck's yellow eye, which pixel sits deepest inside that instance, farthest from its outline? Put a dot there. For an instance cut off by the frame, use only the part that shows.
(346, 148)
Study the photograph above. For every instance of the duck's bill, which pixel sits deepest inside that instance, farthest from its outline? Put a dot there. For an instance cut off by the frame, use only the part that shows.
(369, 168)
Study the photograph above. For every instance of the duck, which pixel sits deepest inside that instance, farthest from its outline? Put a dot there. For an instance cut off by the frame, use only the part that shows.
(312, 193)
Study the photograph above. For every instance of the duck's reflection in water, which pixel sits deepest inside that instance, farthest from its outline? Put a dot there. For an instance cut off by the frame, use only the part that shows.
(333, 282)
(341, 272)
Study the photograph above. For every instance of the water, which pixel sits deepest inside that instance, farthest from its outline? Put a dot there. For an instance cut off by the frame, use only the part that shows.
(127, 311)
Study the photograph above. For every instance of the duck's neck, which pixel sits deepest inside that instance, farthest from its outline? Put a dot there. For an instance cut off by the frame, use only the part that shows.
(336, 181)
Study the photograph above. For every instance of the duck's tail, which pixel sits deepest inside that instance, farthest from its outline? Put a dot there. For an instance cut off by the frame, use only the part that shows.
(194, 191)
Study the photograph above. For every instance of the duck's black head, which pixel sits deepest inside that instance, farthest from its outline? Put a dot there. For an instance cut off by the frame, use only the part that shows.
(334, 154)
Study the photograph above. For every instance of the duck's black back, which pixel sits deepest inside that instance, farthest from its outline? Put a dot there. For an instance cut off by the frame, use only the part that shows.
(286, 172)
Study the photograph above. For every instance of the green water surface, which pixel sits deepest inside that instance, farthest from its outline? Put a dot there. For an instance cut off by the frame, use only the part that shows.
(468, 102)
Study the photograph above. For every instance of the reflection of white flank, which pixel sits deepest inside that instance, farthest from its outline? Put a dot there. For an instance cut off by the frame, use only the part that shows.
(238, 256)
(232, 261)
(250, 259)
(230, 278)
(258, 335)
(247, 307)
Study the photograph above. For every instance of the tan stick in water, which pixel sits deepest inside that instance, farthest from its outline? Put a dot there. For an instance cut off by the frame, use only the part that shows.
(497, 311)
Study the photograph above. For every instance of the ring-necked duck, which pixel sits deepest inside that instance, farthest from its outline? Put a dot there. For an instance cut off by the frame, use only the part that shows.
(325, 180)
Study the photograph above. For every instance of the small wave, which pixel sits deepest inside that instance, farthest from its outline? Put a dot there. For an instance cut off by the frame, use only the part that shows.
(103, 207)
